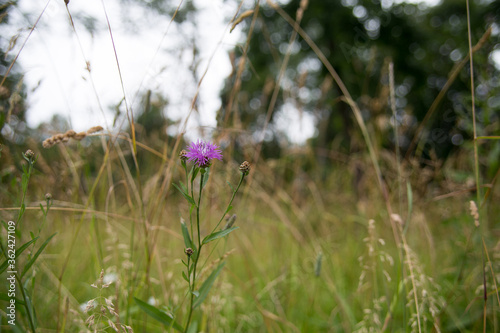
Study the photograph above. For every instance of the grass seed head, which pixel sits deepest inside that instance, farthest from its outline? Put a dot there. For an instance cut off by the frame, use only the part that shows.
(70, 134)
(474, 213)
(94, 129)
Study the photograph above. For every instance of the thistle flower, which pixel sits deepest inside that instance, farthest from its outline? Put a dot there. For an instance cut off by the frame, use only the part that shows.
(202, 153)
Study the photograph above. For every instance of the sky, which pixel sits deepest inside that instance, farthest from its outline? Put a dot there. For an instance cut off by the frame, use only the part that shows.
(55, 59)
(152, 55)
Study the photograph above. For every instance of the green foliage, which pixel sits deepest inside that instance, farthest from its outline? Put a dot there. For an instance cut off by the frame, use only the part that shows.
(159, 315)
(207, 285)
(217, 235)
(320, 249)
(359, 40)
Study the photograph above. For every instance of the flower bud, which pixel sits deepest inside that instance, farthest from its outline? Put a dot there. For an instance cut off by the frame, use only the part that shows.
(182, 155)
(189, 251)
(29, 154)
(245, 168)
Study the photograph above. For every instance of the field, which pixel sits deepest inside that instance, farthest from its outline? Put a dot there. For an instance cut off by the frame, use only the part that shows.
(117, 230)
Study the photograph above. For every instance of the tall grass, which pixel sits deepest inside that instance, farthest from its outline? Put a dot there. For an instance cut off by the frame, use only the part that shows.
(313, 253)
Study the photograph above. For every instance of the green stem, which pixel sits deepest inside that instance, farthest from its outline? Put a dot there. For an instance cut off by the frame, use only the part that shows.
(230, 202)
(25, 190)
(198, 212)
(197, 257)
(28, 312)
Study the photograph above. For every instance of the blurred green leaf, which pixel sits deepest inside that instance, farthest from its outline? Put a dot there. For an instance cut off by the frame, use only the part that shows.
(187, 238)
(20, 250)
(188, 198)
(185, 277)
(218, 234)
(184, 188)
(194, 172)
(207, 285)
(35, 257)
(161, 316)
(205, 177)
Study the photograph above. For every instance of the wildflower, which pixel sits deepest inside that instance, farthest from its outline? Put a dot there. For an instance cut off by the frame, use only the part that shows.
(202, 153)
(245, 168)
(189, 251)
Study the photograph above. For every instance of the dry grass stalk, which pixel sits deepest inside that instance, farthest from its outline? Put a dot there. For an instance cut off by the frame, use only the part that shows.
(58, 138)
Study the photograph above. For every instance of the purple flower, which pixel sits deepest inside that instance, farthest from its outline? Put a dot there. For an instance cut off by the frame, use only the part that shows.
(202, 153)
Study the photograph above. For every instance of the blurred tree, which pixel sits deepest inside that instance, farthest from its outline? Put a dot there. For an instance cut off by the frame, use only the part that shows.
(360, 38)
(12, 90)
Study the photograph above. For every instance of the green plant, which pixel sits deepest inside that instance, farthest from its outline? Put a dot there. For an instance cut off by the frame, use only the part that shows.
(201, 153)
(12, 256)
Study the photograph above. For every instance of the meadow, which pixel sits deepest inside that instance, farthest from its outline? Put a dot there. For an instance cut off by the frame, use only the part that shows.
(109, 223)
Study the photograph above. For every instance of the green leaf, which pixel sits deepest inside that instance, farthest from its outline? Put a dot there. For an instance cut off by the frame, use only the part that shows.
(231, 186)
(20, 250)
(193, 328)
(21, 211)
(188, 198)
(161, 316)
(205, 177)
(194, 173)
(24, 181)
(35, 257)
(185, 277)
(187, 238)
(218, 234)
(30, 308)
(207, 285)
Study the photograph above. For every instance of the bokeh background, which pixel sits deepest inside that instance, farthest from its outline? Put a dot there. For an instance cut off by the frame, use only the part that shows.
(367, 139)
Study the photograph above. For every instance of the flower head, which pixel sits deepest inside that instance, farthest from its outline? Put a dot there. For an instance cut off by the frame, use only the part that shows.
(202, 153)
